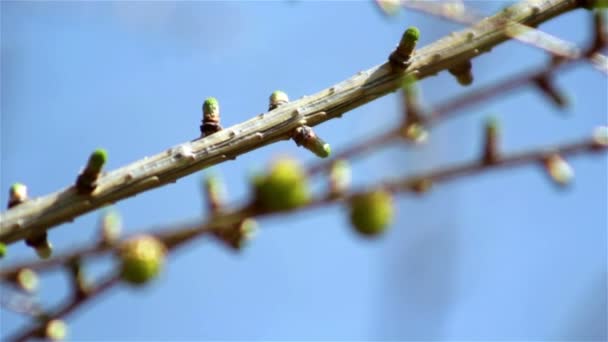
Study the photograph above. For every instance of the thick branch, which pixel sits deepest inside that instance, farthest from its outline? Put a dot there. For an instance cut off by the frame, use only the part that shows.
(179, 161)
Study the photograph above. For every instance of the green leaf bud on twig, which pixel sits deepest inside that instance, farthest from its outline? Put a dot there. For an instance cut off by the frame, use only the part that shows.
(491, 150)
(399, 59)
(2, 250)
(600, 137)
(111, 227)
(17, 194)
(237, 236)
(371, 213)
(56, 330)
(558, 169)
(339, 177)
(277, 98)
(142, 258)
(87, 179)
(285, 187)
(27, 280)
(306, 137)
(463, 73)
(211, 117)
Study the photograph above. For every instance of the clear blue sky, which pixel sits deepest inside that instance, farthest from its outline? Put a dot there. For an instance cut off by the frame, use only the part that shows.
(505, 255)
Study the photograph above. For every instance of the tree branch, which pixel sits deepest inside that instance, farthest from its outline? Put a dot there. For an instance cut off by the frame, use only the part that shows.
(40, 214)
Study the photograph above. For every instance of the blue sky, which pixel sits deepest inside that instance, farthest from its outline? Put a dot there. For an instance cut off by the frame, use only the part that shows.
(504, 255)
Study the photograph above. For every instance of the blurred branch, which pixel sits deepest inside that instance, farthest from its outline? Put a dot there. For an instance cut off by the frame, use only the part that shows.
(40, 214)
(175, 237)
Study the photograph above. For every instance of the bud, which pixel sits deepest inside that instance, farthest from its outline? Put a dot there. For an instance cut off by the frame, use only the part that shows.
(41, 244)
(600, 137)
(463, 73)
(142, 259)
(211, 117)
(339, 177)
(237, 237)
(56, 330)
(284, 187)
(111, 227)
(372, 212)
(399, 59)
(2, 250)
(87, 179)
(559, 170)
(305, 136)
(27, 280)
(277, 98)
(17, 194)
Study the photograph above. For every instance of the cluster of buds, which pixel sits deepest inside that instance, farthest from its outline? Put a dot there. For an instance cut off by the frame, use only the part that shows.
(142, 258)
(285, 187)
(463, 73)
(372, 212)
(39, 241)
(87, 179)
(211, 117)
(400, 58)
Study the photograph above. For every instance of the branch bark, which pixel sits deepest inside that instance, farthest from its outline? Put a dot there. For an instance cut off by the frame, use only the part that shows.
(40, 214)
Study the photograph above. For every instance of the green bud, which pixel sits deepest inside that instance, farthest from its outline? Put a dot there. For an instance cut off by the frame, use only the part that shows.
(559, 170)
(284, 187)
(17, 194)
(600, 136)
(2, 250)
(372, 212)
(339, 176)
(305, 136)
(44, 249)
(111, 227)
(142, 259)
(211, 107)
(97, 160)
(56, 330)
(27, 280)
(277, 98)
(411, 35)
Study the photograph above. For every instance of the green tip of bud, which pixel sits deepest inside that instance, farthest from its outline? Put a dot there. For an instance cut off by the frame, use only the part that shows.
(411, 34)
(142, 259)
(44, 250)
(211, 106)
(56, 330)
(492, 124)
(325, 151)
(284, 187)
(279, 95)
(2, 250)
(98, 159)
(18, 192)
(371, 213)
(111, 226)
(27, 280)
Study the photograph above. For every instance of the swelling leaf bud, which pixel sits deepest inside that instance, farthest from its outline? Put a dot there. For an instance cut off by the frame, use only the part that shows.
(372, 212)
(142, 259)
(284, 187)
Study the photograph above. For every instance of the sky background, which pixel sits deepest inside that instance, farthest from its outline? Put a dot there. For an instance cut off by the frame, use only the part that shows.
(504, 255)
